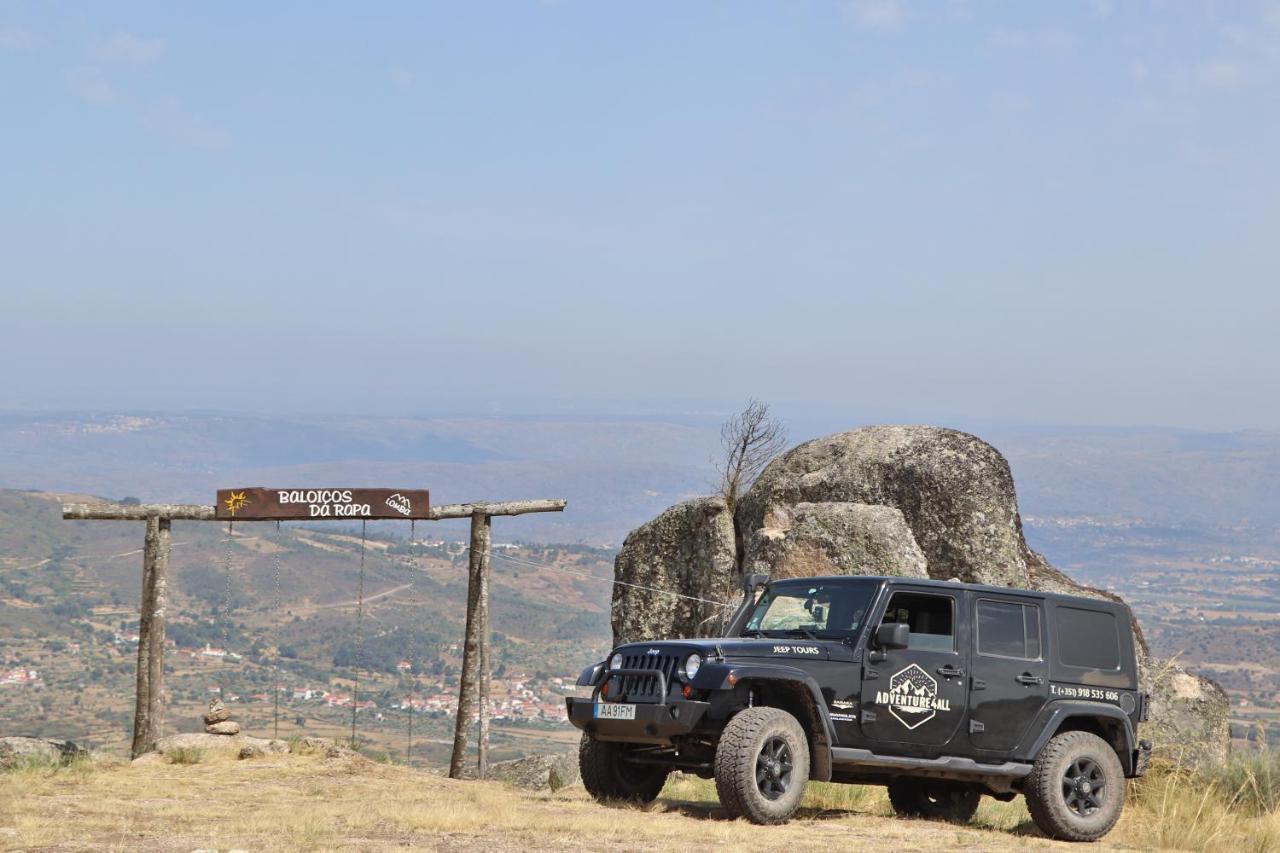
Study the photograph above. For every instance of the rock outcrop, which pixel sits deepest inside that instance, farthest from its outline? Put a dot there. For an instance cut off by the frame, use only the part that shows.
(229, 745)
(839, 538)
(689, 548)
(1189, 714)
(954, 491)
(909, 501)
(17, 751)
(539, 772)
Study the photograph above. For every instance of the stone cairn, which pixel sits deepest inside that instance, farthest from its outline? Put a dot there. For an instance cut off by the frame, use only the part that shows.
(218, 721)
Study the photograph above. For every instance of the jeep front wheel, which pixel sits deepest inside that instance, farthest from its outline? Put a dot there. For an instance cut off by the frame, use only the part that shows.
(1076, 788)
(607, 775)
(762, 765)
(933, 800)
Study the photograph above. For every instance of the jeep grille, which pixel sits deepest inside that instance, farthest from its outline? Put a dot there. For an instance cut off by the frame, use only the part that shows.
(644, 688)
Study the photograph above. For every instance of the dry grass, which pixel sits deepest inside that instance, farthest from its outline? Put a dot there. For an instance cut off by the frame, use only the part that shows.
(1177, 808)
(309, 802)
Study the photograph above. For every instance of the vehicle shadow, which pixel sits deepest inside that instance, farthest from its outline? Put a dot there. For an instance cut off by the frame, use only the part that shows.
(714, 811)
(703, 810)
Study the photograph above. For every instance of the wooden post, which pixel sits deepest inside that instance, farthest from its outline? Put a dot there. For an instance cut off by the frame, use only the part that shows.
(142, 690)
(468, 689)
(155, 662)
(482, 616)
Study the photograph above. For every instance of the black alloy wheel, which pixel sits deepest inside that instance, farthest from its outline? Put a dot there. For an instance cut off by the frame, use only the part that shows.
(773, 768)
(1084, 786)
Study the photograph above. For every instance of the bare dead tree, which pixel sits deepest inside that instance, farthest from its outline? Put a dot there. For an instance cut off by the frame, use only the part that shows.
(751, 439)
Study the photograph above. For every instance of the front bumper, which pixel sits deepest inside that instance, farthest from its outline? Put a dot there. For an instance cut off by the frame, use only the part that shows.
(654, 722)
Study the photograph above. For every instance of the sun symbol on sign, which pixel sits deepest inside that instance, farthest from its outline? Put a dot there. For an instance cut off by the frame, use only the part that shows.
(237, 501)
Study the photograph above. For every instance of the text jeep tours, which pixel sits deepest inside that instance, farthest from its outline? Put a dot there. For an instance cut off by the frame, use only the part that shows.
(941, 691)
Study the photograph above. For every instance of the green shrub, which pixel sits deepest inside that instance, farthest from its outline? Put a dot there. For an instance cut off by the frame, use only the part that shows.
(1250, 779)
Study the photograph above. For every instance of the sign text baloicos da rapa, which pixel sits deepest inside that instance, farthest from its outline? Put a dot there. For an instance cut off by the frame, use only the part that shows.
(260, 504)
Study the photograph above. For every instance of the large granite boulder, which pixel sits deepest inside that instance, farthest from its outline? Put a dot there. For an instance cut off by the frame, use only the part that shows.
(910, 501)
(954, 490)
(810, 539)
(690, 548)
(1189, 719)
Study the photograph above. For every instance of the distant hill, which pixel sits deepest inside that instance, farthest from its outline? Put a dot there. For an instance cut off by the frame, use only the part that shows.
(616, 471)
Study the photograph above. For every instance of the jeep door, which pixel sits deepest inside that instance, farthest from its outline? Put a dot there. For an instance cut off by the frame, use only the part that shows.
(914, 698)
(1010, 679)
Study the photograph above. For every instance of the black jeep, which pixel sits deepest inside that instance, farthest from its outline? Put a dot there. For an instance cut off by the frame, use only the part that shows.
(942, 691)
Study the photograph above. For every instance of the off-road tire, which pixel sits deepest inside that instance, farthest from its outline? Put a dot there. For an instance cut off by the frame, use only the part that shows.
(933, 800)
(1048, 797)
(743, 772)
(607, 776)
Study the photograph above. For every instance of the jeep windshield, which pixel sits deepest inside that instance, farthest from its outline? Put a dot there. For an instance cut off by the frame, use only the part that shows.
(830, 610)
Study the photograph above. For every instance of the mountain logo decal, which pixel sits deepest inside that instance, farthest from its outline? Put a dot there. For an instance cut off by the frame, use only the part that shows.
(912, 697)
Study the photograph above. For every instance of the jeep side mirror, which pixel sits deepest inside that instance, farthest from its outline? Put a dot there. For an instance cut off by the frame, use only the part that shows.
(893, 635)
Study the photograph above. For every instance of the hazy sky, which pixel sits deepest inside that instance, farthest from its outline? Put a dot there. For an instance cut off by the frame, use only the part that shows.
(1018, 211)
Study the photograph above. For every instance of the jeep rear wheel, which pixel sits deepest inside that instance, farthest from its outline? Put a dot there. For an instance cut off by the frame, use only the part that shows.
(1076, 788)
(762, 765)
(933, 800)
(607, 775)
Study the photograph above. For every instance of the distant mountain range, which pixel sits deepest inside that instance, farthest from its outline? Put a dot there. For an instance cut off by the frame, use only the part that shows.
(616, 471)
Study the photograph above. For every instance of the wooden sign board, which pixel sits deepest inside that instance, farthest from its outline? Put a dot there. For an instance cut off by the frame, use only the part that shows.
(259, 504)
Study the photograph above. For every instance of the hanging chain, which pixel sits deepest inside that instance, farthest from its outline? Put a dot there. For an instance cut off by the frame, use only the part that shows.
(226, 613)
(275, 722)
(355, 694)
(413, 682)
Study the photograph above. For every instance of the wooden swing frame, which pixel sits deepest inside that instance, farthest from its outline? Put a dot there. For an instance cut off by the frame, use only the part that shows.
(473, 689)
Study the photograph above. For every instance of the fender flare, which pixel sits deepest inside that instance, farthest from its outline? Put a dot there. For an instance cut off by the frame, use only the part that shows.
(726, 676)
(1057, 713)
(591, 675)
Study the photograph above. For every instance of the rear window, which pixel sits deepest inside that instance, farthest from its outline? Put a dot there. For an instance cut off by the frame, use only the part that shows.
(1089, 639)
(1008, 629)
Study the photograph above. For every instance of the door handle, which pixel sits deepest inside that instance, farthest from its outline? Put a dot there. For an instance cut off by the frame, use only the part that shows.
(1028, 679)
(949, 671)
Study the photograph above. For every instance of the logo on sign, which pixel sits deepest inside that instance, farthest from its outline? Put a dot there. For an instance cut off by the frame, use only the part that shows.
(912, 697)
(400, 504)
(236, 502)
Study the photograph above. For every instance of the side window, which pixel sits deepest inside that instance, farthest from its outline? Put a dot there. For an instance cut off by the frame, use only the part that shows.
(1088, 639)
(930, 617)
(1008, 629)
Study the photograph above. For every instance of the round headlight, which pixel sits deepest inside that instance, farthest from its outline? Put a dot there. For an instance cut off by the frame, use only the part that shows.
(692, 664)
(615, 662)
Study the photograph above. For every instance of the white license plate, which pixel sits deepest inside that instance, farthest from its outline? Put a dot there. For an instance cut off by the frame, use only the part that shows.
(615, 711)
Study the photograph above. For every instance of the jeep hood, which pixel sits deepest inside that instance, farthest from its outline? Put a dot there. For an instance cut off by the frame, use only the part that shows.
(736, 648)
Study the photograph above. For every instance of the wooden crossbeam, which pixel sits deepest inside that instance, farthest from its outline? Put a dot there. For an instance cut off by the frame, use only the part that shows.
(193, 512)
